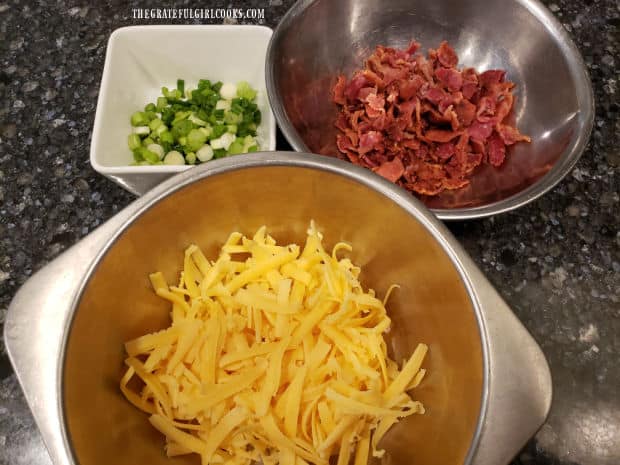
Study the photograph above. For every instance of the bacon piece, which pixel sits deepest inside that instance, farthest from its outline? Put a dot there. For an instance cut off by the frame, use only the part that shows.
(503, 107)
(370, 141)
(447, 55)
(465, 111)
(351, 92)
(496, 150)
(380, 122)
(355, 119)
(391, 170)
(342, 122)
(392, 92)
(405, 110)
(445, 151)
(346, 147)
(364, 92)
(440, 135)
(413, 144)
(424, 67)
(375, 105)
(470, 74)
(510, 135)
(369, 162)
(486, 109)
(339, 90)
(433, 94)
(408, 88)
(393, 74)
(413, 47)
(449, 100)
(450, 78)
(373, 78)
(433, 115)
(492, 76)
(478, 147)
(469, 89)
(353, 136)
(480, 131)
(451, 116)
(470, 83)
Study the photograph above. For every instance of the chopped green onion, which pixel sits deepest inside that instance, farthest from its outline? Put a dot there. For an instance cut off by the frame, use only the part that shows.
(232, 118)
(195, 140)
(174, 158)
(160, 130)
(205, 153)
(228, 91)
(141, 130)
(180, 116)
(161, 103)
(219, 153)
(133, 141)
(207, 130)
(157, 149)
(182, 128)
(236, 147)
(167, 115)
(154, 124)
(171, 94)
(218, 130)
(138, 119)
(149, 156)
(166, 137)
(245, 91)
(223, 105)
(223, 142)
(195, 125)
(197, 121)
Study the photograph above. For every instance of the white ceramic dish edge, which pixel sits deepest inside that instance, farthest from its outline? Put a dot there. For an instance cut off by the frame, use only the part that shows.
(141, 59)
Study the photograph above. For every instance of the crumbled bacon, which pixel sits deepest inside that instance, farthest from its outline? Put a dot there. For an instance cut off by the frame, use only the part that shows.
(421, 122)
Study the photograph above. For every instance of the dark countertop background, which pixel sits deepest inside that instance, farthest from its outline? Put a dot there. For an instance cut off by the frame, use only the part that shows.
(556, 260)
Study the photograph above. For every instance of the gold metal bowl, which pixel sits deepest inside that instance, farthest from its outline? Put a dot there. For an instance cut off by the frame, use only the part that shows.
(487, 388)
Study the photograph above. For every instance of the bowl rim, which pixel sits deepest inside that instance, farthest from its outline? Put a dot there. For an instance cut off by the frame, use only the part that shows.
(567, 160)
(409, 204)
(105, 77)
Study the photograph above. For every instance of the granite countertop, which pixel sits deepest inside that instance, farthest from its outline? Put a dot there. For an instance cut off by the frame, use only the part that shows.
(556, 261)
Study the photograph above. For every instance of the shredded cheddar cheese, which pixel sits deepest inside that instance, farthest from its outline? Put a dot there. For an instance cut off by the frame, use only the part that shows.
(276, 356)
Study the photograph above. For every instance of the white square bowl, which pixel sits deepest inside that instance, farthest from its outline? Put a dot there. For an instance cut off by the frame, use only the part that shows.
(140, 60)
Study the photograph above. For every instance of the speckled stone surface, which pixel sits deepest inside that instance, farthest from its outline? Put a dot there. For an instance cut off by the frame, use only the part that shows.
(556, 261)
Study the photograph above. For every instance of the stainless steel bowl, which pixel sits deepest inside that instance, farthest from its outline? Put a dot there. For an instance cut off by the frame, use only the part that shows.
(319, 39)
(488, 387)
